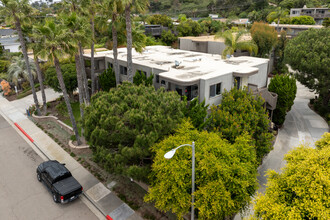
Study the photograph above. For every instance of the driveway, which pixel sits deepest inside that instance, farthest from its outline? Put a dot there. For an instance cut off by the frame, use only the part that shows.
(301, 126)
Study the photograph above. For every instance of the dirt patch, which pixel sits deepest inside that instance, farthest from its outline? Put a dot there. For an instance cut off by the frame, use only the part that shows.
(11, 97)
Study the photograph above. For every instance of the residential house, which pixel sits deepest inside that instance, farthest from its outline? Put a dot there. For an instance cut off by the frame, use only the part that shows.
(292, 30)
(319, 14)
(208, 44)
(9, 40)
(154, 30)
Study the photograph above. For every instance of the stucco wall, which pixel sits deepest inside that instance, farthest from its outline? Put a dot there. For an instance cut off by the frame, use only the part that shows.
(226, 83)
(261, 77)
(216, 47)
(187, 44)
(12, 48)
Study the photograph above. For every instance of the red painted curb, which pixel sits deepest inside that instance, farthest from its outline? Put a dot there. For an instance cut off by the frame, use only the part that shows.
(109, 218)
(19, 127)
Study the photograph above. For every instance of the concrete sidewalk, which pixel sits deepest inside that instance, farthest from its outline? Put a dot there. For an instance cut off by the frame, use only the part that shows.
(96, 193)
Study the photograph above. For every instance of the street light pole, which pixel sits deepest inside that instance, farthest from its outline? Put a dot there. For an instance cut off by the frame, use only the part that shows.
(170, 154)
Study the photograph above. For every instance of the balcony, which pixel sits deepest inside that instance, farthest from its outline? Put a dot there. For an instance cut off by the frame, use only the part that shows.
(316, 15)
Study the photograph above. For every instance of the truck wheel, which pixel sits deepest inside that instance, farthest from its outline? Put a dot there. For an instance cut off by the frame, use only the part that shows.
(38, 177)
(55, 198)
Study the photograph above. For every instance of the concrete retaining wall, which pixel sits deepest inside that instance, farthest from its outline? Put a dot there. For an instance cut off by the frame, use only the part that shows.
(56, 120)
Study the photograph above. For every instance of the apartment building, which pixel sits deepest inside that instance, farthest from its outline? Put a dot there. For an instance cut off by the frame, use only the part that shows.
(193, 74)
(319, 14)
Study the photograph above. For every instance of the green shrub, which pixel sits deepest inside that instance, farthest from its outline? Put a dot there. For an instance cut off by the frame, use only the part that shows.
(285, 87)
(140, 78)
(4, 64)
(305, 20)
(107, 79)
(168, 37)
(3, 76)
(123, 123)
(69, 77)
(26, 86)
(151, 41)
(73, 138)
(197, 112)
(61, 109)
(241, 112)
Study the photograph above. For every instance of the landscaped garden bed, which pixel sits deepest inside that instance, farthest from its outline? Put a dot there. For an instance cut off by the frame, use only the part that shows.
(127, 190)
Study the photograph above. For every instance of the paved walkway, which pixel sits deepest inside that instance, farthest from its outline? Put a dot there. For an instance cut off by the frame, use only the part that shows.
(95, 192)
(301, 126)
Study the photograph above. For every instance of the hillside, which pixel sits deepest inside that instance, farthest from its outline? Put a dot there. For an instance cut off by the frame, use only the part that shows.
(200, 8)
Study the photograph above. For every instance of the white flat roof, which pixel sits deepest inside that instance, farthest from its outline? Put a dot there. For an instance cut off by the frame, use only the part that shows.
(193, 65)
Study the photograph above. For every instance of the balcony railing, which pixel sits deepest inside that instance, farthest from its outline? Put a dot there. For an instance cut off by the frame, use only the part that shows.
(316, 15)
(270, 97)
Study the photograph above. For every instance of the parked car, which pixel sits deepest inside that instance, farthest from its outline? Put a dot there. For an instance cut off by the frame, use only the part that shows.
(59, 180)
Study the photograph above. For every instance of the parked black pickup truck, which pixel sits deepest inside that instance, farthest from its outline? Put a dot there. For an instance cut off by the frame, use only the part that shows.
(58, 179)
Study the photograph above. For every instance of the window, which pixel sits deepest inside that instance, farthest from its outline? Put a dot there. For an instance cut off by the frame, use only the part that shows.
(123, 70)
(215, 90)
(157, 78)
(110, 65)
(163, 82)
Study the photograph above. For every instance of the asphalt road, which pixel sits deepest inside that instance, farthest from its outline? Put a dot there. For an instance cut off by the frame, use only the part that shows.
(21, 195)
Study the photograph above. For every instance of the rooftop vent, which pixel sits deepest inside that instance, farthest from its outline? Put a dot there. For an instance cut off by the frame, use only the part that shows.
(177, 63)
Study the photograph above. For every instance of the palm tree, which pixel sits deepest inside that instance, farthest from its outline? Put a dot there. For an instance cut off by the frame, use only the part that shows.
(90, 7)
(57, 42)
(17, 70)
(78, 28)
(234, 42)
(35, 46)
(111, 9)
(74, 6)
(17, 12)
(278, 14)
(140, 6)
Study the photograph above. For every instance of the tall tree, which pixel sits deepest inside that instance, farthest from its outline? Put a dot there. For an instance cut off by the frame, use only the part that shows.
(233, 42)
(278, 14)
(90, 7)
(264, 36)
(35, 46)
(140, 6)
(79, 29)
(309, 55)
(57, 41)
(17, 12)
(74, 6)
(111, 9)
